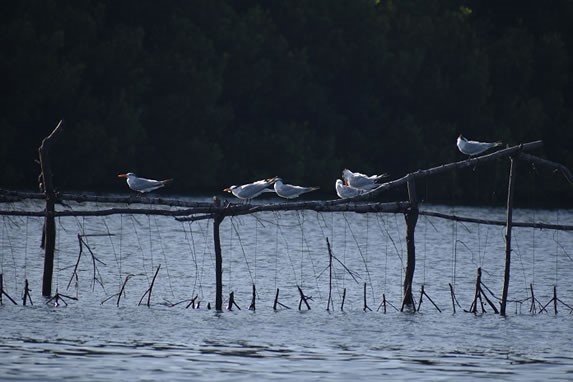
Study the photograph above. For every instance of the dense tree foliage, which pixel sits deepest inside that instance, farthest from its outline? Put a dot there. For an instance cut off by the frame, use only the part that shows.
(224, 92)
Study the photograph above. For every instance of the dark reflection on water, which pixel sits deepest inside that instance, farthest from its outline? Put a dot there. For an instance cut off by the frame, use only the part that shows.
(90, 341)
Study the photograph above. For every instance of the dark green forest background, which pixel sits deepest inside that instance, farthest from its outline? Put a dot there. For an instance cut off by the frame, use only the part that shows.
(221, 92)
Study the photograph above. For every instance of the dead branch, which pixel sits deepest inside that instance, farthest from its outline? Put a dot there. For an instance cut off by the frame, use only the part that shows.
(3, 292)
(277, 301)
(303, 298)
(27, 296)
(472, 162)
(253, 299)
(423, 293)
(58, 298)
(547, 163)
(365, 307)
(232, 302)
(148, 291)
(95, 260)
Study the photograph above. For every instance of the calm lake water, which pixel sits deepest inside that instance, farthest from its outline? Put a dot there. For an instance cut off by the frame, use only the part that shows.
(95, 340)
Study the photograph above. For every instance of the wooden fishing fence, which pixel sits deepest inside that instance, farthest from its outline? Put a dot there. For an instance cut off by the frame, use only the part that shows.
(218, 210)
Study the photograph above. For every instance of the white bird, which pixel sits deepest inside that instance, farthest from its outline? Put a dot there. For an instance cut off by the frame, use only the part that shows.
(143, 185)
(251, 190)
(362, 181)
(344, 191)
(290, 191)
(472, 148)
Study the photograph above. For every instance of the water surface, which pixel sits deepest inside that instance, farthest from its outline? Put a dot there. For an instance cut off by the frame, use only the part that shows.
(88, 340)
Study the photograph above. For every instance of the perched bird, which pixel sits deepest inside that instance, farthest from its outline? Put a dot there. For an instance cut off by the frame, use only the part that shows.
(472, 148)
(289, 191)
(143, 185)
(362, 181)
(251, 190)
(344, 191)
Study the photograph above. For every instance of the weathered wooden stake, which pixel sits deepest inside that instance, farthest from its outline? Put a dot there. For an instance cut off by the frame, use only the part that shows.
(283, 305)
(366, 307)
(150, 289)
(329, 277)
(252, 306)
(510, 192)
(477, 294)
(421, 298)
(122, 289)
(27, 294)
(276, 300)
(532, 309)
(3, 292)
(303, 298)
(232, 302)
(555, 298)
(47, 186)
(453, 297)
(343, 299)
(383, 303)
(192, 302)
(217, 219)
(411, 220)
(423, 293)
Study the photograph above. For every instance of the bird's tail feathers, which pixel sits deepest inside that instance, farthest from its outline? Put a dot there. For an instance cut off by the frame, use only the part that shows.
(167, 181)
(498, 143)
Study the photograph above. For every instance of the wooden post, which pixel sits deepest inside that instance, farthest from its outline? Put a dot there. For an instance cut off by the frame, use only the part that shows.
(477, 294)
(303, 298)
(532, 309)
(508, 225)
(276, 300)
(383, 302)
(329, 277)
(453, 297)
(47, 186)
(217, 219)
(366, 307)
(253, 299)
(26, 296)
(232, 302)
(421, 298)
(147, 292)
(555, 298)
(411, 220)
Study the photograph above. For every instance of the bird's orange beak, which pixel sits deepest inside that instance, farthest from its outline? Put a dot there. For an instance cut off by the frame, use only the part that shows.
(122, 176)
(227, 189)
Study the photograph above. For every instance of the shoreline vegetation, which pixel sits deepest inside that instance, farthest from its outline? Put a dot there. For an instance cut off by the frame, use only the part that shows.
(227, 92)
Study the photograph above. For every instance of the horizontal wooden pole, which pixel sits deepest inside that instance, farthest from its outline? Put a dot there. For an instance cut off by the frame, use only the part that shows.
(228, 210)
(440, 215)
(237, 209)
(471, 162)
(14, 196)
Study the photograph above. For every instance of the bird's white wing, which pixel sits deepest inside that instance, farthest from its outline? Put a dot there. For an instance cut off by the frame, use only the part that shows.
(291, 191)
(470, 147)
